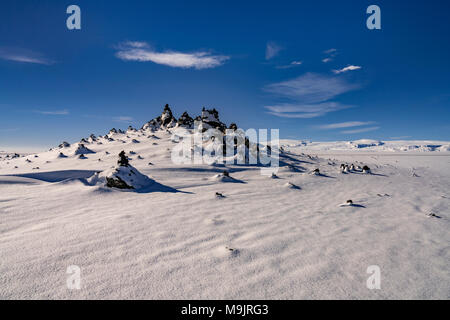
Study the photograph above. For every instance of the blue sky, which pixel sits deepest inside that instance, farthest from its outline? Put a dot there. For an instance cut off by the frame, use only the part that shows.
(311, 69)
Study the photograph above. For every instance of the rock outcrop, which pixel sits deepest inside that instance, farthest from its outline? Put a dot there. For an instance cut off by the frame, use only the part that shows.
(210, 120)
(165, 121)
(82, 150)
(123, 176)
(185, 121)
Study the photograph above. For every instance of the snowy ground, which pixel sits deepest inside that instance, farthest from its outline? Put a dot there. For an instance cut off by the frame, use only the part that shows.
(263, 240)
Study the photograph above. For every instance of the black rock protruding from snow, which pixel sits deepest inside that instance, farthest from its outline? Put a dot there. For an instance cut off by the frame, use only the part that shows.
(210, 120)
(64, 144)
(167, 118)
(123, 160)
(82, 150)
(164, 121)
(114, 131)
(122, 176)
(292, 186)
(186, 121)
(233, 126)
(92, 138)
(344, 168)
(366, 169)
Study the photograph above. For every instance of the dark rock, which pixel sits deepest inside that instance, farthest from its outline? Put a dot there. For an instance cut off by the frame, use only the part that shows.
(186, 121)
(123, 160)
(117, 183)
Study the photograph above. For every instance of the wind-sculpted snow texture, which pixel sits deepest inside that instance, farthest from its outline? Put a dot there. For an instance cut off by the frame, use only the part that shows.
(224, 231)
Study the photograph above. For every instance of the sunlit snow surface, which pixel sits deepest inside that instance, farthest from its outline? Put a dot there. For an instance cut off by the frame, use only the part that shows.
(266, 238)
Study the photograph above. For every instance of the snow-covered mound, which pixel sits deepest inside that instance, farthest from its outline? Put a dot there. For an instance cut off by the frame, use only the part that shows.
(122, 176)
(292, 186)
(224, 177)
(82, 150)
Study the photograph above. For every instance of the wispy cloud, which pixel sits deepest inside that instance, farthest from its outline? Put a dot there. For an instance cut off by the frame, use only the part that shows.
(272, 50)
(360, 130)
(136, 44)
(53, 112)
(331, 53)
(293, 64)
(311, 88)
(123, 119)
(9, 129)
(142, 52)
(23, 56)
(310, 96)
(304, 111)
(348, 68)
(342, 125)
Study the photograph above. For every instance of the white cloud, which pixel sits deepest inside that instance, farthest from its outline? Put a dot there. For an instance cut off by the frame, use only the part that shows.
(326, 60)
(140, 51)
(304, 111)
(341, 125)
(348, 68)
(360, 130)
(23, 56)
(54, 113)
(272, 50)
